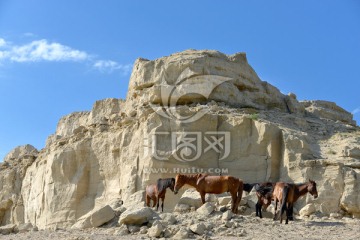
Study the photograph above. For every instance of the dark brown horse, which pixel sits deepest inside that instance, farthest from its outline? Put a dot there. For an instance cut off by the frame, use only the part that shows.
(157, 191)
(288, 193)
(264, 194)
(204, 183)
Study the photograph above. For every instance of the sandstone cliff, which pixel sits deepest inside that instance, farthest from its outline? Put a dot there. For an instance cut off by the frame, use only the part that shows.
(120, 146)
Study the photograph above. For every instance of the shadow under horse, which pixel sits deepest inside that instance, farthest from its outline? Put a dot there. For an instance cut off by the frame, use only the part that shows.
(204, 184)
(157, 191)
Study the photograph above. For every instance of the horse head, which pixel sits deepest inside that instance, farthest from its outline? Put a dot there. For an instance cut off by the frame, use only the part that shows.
(311, 186)
(179, 182)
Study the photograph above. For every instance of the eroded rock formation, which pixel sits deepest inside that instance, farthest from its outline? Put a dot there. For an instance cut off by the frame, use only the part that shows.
(120, 146)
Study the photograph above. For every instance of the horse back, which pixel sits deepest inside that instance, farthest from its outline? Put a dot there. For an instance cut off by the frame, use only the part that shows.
(219, 184)
(279, 189)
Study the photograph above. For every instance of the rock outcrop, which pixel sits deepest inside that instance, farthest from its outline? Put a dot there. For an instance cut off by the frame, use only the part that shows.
(12, 173)
(189, 112)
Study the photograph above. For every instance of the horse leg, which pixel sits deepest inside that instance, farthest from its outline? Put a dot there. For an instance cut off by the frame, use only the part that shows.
(202, 194)
(239, 196)
(155, 201)
(287, 213)
(233, 202)
(258, 209)
(275, 214)
(284, 204)
(162, 204)
(290, 212)
(148, 199)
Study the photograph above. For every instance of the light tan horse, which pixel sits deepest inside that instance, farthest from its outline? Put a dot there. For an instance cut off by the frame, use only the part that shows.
(204, 183)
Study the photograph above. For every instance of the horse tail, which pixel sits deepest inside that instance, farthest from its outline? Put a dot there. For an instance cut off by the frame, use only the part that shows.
(284, 201)
(239, 193)
(284, 197)
(248, 187)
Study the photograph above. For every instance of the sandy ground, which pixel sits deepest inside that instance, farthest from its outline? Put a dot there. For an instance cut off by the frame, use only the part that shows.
(249, 227)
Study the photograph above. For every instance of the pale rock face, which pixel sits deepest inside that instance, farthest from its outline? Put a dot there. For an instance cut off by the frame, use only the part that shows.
(95, 158)
(70, 122)
(240, 86)
(329, 110)
(12, 173)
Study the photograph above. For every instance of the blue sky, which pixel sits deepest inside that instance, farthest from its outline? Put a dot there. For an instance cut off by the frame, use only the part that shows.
(57, 57)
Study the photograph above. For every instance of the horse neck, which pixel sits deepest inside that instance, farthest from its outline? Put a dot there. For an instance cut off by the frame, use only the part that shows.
(302, 190)
(191, 180)
(167, 184)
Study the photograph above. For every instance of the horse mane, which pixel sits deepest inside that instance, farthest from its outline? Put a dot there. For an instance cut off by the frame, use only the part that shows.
(249, 186)
(162, 184)
(264, 188)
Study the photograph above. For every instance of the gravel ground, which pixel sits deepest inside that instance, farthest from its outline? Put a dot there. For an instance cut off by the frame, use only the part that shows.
(246, 227)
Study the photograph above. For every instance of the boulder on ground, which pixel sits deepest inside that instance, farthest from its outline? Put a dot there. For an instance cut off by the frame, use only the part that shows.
(155, 230)
(137, 216)
(181, 208)
(95, 218)
(198, 228)
(7, 229)
(206, 208)
(307, 210)
(192, 198)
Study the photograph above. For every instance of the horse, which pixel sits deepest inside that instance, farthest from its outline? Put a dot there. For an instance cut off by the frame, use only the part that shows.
(204, 183)
(157, 191)
(263, 193)
(288, 193)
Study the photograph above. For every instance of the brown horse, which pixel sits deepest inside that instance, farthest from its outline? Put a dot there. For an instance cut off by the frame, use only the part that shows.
(156, 192)
(288, 193)
(204, 183)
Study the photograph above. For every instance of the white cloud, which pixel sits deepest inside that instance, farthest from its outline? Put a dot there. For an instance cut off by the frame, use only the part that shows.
(2, 42)
(109, 66)
(29, 34)
(42, 50)
(45, 51)
(356, 111)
